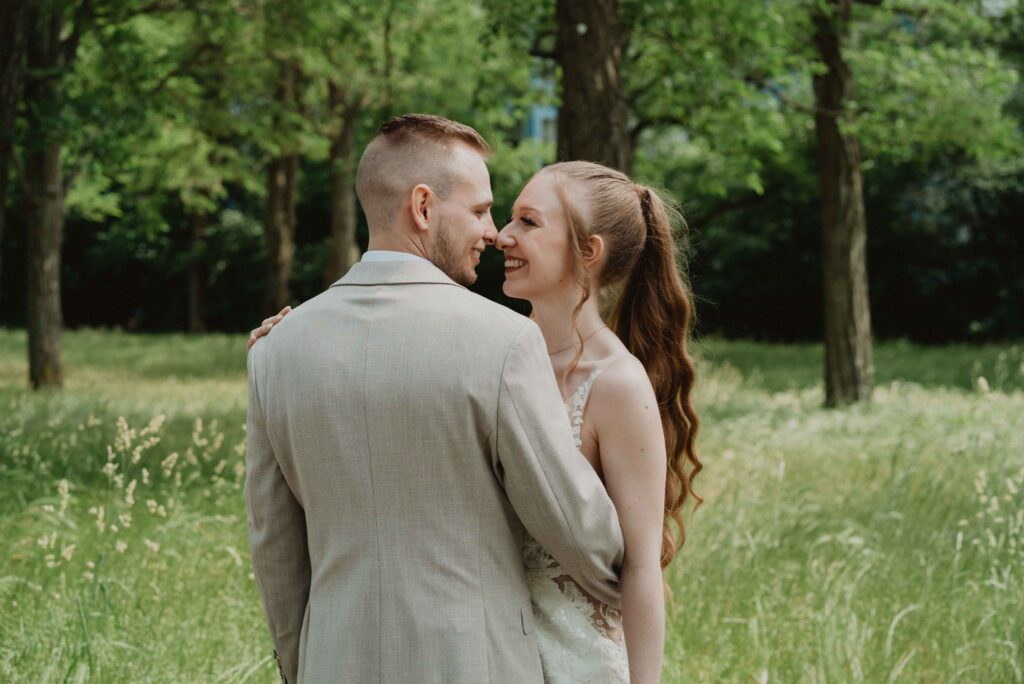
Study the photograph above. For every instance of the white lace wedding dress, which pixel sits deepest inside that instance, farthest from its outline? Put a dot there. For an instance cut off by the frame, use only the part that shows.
(580, 638)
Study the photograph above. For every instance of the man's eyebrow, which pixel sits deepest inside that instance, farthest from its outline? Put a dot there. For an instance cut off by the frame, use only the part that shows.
(486, 204)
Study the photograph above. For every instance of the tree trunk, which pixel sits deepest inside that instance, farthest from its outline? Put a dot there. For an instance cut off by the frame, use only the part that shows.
(12, 60)
(344, 251)
(197, 275)
(44, 198)
(282, 174)
(849, 368)
(594, 116)
(45, 223)
(281, 178)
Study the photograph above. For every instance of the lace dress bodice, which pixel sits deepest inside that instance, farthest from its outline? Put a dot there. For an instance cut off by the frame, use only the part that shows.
(580, 638)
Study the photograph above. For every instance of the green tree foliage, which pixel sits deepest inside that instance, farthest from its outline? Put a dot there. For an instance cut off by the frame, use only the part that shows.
(930, 99)
(166, 115)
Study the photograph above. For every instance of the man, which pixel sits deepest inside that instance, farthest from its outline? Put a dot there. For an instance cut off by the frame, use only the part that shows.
(402, 432)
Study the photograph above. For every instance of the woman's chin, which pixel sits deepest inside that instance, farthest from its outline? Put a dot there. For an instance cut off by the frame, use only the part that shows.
(511, 290)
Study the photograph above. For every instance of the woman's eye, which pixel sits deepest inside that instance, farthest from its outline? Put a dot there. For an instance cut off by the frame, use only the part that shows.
(522, 219)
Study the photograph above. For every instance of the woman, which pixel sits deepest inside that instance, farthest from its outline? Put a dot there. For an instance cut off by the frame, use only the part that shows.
(576, 228)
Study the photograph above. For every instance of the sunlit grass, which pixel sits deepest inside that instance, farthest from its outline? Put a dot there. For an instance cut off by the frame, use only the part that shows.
(876, 543)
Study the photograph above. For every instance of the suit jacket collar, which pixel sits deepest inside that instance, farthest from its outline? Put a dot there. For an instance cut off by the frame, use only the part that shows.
(394, 273)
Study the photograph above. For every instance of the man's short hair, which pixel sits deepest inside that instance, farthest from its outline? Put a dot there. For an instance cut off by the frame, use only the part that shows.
(429, 127)
(409, 150)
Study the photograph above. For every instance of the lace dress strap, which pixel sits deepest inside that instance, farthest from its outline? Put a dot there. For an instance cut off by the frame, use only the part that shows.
(579, 638)
(578, 403)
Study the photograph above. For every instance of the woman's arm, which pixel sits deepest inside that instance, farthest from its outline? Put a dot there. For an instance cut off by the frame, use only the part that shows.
(624, 412)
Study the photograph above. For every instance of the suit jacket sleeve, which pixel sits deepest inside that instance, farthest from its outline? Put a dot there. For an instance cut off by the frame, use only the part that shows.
(277, 533)
(552, 487)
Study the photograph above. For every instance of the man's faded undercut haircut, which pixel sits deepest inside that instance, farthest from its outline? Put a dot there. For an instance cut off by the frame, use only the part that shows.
(409, 150)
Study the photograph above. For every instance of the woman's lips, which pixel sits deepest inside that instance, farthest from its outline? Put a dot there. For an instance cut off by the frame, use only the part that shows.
(513, 265)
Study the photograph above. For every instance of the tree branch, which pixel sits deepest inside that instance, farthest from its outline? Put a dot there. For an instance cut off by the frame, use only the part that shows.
(645, 122)
(641, 90)
(191, 60)
(727, 206)
(149, 8)
(911, 12)
(69, 46)
(785, 99)
(85, 13)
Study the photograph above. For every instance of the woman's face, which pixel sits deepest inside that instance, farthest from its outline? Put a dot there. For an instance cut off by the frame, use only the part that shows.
(538, 258)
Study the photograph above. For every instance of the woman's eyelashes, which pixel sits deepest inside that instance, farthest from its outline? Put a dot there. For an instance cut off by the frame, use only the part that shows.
(526, 220)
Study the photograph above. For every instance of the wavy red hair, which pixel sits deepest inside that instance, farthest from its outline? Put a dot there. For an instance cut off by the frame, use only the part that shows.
(653, 315)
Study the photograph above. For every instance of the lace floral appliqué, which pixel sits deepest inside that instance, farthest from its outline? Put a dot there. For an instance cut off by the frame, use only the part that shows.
(580, 638)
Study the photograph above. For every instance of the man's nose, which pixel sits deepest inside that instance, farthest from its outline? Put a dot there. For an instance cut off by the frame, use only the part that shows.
(491, 234)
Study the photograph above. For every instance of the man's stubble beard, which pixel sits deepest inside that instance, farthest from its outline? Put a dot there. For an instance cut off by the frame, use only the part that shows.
(446, 257)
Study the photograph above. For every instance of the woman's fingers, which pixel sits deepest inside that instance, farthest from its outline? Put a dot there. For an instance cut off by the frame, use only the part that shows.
(277, 318)
(259, 332)
(266, 326)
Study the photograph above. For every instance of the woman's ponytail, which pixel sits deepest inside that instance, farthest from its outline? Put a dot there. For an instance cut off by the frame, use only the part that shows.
(653, 318)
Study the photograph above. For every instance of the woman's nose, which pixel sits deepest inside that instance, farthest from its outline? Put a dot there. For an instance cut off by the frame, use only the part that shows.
(505, 240)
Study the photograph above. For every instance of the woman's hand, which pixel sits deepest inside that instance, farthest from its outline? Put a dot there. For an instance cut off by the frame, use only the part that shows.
(266, 327)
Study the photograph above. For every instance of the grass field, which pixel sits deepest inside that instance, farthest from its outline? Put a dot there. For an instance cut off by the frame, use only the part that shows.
(878, 543)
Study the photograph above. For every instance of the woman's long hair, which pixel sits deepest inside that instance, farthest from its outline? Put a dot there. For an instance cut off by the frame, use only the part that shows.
(654, 313)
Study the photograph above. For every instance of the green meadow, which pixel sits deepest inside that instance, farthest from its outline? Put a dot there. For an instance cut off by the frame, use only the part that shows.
(878, 543)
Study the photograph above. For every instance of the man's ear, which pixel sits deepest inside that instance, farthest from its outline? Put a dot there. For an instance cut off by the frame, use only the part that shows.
(423, 203)
(593, 250)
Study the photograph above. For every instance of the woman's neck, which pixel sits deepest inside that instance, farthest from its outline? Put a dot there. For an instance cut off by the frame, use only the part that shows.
(554, 318)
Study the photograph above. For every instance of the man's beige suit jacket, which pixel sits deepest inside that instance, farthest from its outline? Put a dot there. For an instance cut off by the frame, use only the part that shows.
(403, 433)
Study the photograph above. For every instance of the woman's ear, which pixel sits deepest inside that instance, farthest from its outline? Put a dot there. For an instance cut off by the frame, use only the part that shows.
(422, 205)
(593, 250)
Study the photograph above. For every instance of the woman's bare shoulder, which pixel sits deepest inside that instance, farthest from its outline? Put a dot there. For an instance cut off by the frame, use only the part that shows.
(622, 390)
(626, 421)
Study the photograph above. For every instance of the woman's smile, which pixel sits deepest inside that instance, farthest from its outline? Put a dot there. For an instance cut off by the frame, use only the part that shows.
(512, 265)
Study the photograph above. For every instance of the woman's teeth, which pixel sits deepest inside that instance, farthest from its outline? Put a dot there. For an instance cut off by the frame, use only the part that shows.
(513, 264)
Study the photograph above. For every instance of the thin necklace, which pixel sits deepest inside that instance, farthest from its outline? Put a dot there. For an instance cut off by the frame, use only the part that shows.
(559, 351)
